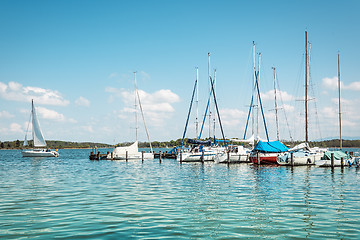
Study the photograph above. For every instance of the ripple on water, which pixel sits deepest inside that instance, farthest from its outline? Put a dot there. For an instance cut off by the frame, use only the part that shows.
(72, 196)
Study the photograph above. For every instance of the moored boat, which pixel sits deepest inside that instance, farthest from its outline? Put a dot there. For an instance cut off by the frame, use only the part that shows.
(39, 143)
(267, 152)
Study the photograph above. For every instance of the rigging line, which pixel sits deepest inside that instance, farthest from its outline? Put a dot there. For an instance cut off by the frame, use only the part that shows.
(281, 100)
(187, 120)
(251, 106)
(142, 114)
(262, 110)
(217, 110)
(311, 84)
(207, 107)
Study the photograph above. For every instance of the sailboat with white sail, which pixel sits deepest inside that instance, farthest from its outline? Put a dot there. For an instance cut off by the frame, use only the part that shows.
(39, 143)
(132, 152)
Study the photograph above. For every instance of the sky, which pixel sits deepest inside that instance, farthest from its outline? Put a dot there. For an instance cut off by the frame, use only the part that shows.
(77, 60)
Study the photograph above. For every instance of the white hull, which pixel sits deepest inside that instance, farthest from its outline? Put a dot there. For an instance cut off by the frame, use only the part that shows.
(39, 153)
(234, 158)
(147, 156)
(197, 157)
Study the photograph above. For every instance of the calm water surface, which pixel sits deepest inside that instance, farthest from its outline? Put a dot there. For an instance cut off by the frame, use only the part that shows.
(72, 197)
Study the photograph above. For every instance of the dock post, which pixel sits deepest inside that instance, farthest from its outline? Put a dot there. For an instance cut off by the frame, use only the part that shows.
(181, 156)
(126, 156)
(258, 158)
(202, 157)
(292, 158)
(332, 160)
(112, 155)
(160, 157)
(98, 155)
(228, 157)
(342, 162)
(142, 156)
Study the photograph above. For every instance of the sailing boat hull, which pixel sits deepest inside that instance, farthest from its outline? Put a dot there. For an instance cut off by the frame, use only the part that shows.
(39, 153)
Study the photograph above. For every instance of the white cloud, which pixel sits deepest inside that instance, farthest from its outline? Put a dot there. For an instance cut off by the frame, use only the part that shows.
(53, 115)
(112, 75)
(281, 95)
(5, 114)
(156, 106)
(14, 91)
(81, 101)
(232, 117)
(333, 84)
(353, 86)
(13, 128)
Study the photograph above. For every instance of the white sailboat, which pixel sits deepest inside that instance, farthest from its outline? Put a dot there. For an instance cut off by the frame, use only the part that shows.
(39, 144)
(132, 152)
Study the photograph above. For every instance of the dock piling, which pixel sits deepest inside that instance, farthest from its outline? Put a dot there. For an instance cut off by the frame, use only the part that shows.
(292, 158)
(126, 156)
(160, 157)
(342, 162)
(332, 160)
(142, 156)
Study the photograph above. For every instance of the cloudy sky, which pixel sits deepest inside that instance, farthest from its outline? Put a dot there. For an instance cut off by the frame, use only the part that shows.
(77, 60)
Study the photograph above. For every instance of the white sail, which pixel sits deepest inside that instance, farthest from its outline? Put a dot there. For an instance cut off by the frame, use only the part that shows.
(25, 141)
(38, 137)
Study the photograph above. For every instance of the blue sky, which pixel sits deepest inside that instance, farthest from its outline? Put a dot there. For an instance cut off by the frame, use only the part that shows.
(76, 60)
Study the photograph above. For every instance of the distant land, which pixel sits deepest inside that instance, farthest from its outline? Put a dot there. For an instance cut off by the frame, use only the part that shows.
(55, 144)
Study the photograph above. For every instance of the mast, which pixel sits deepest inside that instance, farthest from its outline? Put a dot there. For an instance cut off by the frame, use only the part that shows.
(306, 92)
(33, 121)
(210, 84)
(339, 100)
(276, 108)
(136, 120)
(258, 98)
(214, 119)
(253, 88)
(197, 103)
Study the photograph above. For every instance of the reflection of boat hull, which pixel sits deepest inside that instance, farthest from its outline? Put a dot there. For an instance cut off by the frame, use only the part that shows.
(337, 163)
(264, 158)
(39, 153)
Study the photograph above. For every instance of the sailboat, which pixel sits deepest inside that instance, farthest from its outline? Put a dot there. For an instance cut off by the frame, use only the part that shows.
(39, 144)
(132, 152)
(338, 155)
(302, 154)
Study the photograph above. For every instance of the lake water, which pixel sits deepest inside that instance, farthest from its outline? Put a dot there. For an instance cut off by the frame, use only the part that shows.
(72, 197)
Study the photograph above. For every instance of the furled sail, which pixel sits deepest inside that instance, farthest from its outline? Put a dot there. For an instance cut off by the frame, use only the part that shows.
(38, 137)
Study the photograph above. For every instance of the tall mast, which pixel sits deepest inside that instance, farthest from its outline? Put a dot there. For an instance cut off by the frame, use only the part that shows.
(32, 118)
(214, 119)
(209, 95)
(253, 89)
(136, 120)
(197, 103)
(276, 108)
(339, 100)
(306, 91)
(258, 98)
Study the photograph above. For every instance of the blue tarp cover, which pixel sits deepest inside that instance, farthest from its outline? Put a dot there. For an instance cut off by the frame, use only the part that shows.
(274, 146)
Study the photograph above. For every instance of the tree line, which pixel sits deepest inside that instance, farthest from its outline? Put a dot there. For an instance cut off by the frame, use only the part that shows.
(334, 143)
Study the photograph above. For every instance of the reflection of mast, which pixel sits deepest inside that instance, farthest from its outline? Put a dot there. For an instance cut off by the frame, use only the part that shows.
(339, 100)
(276, 108)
